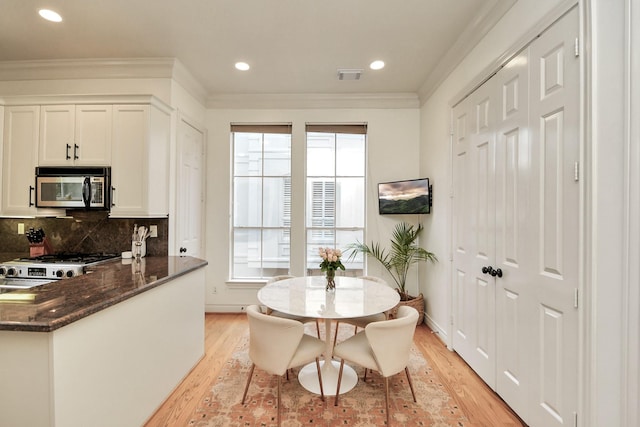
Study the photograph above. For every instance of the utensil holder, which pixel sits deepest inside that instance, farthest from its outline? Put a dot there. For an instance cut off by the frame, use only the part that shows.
(143, 249)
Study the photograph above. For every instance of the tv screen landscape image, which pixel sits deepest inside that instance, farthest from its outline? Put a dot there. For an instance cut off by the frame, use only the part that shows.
(405, 197)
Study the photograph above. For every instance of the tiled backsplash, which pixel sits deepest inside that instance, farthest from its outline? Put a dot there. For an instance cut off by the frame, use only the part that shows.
(92, 233)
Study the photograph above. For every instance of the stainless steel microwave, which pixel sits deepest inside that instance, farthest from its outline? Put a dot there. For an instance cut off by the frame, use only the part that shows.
(73, 187)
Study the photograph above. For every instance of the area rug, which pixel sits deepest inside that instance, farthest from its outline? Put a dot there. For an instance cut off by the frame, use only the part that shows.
(360, 407)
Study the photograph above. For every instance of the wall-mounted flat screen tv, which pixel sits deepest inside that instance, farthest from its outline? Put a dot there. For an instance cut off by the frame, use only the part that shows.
(405, 197)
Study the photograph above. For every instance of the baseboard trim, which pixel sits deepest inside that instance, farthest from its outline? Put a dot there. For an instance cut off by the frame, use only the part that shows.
(437, 329)
(231, 308)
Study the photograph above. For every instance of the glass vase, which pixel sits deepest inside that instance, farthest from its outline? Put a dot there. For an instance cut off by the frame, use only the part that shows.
(331, 282)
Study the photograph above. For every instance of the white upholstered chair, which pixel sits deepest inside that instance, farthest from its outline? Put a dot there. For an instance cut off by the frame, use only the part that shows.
(361, 322)
(290, 316)
(382, 346)
(277, 344)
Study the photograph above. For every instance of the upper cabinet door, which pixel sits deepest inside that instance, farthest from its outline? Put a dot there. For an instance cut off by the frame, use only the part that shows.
(73, 135)
(57, 128)
(19, 160)
(93, 135)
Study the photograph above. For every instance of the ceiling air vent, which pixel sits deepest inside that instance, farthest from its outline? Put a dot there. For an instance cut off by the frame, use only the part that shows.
(349, 74)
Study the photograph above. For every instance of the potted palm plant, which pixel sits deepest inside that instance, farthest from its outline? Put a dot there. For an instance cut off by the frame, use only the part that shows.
(403, 253)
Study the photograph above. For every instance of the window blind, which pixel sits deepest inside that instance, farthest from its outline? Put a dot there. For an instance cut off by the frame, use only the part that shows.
(284, 128)
(360, 129)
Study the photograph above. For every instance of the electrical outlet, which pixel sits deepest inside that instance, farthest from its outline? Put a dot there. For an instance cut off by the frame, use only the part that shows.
(215, 290)
(21, 228)
(153, 231)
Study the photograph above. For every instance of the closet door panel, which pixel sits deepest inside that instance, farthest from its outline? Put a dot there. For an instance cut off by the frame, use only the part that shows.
(514, 235)
(463, 280)
(554, 116)
(481, 234)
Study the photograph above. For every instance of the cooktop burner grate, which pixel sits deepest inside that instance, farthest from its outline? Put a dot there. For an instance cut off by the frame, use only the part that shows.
(70, 257)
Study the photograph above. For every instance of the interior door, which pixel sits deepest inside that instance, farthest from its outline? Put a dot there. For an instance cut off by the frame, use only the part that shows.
(554, 118)
(516, 232)
(474, 194)
(513, 262)
(189, 198)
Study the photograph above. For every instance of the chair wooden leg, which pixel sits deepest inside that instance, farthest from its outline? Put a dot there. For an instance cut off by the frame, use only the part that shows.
(365, 375)
(335, 336)
(386, 396)
(318, 329)
(335, 403)
(279, 403)
(406, 370)
(246, 388)
(320, 379)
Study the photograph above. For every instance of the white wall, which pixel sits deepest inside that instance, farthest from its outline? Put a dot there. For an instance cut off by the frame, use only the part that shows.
(392, 144)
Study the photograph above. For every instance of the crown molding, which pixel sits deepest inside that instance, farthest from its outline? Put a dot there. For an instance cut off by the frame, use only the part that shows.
(313, 101)
(19, 100)
(121, 68)
(87, 69)
(485, 20)
(184, 77)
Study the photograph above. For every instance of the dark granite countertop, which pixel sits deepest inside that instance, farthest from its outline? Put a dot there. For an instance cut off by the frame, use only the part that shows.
(53, 305)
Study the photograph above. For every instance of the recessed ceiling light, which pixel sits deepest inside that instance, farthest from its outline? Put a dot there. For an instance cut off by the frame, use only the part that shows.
(377, 65)
(242, 66)
(50, 15)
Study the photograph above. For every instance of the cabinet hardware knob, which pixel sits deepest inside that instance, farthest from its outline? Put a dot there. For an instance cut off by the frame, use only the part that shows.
(31, 190)
(68, 148)
(75, 151)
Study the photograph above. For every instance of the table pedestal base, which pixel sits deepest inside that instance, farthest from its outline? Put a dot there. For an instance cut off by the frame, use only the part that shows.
(308, 378)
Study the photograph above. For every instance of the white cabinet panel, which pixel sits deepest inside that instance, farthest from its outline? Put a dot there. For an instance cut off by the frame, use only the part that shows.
(93, 135)
(140, 161)
(75, 135)
(20, 156)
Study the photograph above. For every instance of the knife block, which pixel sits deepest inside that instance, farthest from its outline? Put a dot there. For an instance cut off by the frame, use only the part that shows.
(42, 248)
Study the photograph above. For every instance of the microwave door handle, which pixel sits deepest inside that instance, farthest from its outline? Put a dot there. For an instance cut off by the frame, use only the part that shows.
(86, 192)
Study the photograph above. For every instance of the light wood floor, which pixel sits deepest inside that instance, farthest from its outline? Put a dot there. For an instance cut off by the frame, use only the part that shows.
(223, 331)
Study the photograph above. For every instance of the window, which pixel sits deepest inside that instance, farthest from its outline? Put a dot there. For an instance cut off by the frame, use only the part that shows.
(335, 190)
(261, 200)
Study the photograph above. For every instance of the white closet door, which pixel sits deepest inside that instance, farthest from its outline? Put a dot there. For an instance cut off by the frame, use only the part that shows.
(554, 118)
(516, 209)
(514, 256)
(474, 194)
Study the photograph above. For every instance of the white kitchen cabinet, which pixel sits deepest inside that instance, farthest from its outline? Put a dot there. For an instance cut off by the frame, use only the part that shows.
(75, 135)
(19, 159)
(140, 160)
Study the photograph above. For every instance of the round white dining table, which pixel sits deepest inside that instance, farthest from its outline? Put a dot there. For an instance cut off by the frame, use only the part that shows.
(307, 296)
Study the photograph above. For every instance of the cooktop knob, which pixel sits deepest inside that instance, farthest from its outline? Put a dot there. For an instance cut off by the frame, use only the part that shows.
(59, 273)
(11, 272)
(70, 273)
(3, 271)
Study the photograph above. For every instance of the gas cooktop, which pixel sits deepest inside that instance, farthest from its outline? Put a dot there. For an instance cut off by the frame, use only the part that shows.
(55, 266)
(69, 258)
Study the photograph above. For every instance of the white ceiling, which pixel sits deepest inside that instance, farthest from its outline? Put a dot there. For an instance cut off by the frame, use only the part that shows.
(293, 46)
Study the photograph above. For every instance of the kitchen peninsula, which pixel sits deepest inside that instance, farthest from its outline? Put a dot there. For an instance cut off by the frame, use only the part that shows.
(101, 349)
